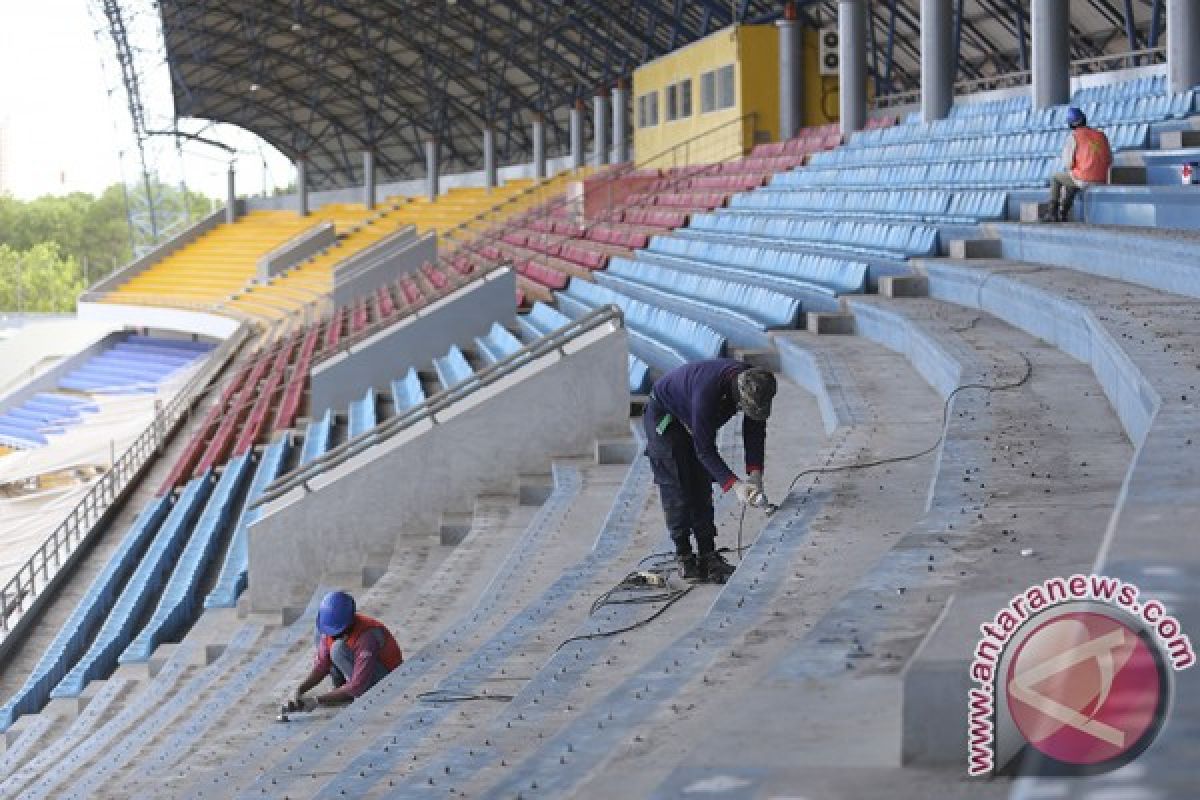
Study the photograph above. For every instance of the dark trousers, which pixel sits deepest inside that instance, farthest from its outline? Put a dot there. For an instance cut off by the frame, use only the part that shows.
(684, 486)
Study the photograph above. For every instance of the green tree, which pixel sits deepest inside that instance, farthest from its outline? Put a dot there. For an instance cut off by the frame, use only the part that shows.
(89, 237)
(38, 279)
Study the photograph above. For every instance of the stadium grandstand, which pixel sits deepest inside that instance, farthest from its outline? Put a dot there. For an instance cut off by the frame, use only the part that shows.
(467, 370)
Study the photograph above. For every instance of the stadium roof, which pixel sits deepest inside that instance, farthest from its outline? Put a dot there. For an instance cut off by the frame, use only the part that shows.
(330, 79)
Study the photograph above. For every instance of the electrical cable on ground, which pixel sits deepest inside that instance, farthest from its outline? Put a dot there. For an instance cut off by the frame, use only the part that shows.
(663, 559)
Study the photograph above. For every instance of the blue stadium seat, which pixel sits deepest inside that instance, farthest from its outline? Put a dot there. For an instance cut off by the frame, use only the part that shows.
(363, 414)
(316, 438)
(180, 602)
(141, 590)
(639, 375)
(73, 638)
(407, 392)
(453, 368)
(498, 344)
(231, 581)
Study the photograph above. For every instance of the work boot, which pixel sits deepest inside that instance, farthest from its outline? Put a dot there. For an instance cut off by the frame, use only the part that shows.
(1051, 214)
(691, 567)
(1064, 211)
(716, 569)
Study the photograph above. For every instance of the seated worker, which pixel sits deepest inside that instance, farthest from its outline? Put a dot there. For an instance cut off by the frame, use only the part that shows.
(1086, 158)
(687, 407)
(353, 649)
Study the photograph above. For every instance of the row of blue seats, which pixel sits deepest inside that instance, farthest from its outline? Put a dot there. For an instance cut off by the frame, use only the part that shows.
(1041, 143)
(139, 592)
(72, 639)
(1125, 90)
(231, 581)
(29, 424)
(871, 239)
(923, 204)
(543, 319)
(135, 364)
(671, 339)
(993, 173)
(1140, 109)
(180, 602)
(806, 270)
(742, 312)
(1017, 122)
(1019, 102)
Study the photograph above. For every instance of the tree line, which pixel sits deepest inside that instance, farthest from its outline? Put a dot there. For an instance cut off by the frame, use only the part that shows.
(54, 247)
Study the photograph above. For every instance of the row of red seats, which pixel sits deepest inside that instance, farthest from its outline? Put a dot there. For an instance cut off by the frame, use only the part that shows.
(266, 399)
(289, 407)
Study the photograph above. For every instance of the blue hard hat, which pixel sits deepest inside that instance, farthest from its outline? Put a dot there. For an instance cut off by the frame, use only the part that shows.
(336, 613)
(1076, 117)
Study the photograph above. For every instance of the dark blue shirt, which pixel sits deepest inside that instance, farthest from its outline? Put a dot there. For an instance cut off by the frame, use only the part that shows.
(703, 396)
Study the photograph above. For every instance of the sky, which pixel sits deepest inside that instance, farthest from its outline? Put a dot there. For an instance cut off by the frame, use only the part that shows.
(65, 129)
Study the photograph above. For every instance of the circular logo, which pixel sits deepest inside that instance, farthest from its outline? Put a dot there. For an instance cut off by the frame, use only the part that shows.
(1086, 689)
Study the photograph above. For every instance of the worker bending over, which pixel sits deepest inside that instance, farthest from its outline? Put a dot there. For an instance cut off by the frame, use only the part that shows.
(687, 407)
(353, 649)
(1086, 158)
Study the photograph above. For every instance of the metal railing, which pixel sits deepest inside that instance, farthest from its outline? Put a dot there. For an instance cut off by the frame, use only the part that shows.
(427, 410)
(1008, 80)
(20, 596)
(714, 147)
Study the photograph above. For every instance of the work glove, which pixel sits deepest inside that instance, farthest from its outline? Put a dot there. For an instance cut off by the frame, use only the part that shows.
(301, 704)
(755, 479)
(748, 494)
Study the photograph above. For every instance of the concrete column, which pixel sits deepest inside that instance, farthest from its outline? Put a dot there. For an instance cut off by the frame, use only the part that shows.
(230, 196)
(302, 186)
(368, 179)
(1050, 27)
(1183, 44)
(852, 83)
(489, 157)
(620, 119)
(938, 58)
(539, 146)
(791, 75)
(600, 128)
(431, 168)
(577, 151)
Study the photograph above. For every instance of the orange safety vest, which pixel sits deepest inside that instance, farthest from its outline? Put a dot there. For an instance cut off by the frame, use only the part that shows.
(390, 655)
(1093, 156)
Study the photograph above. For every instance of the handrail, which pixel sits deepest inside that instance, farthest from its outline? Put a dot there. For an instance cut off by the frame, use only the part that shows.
(21, 593)
(546, 210)
(425, 411)
(1081, 66)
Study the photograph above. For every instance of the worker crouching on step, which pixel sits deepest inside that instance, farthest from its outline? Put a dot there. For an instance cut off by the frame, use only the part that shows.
(353, 649)
(687, 407)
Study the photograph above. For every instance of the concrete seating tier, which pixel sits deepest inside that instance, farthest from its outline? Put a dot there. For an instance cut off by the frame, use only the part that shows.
(1140, 344)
